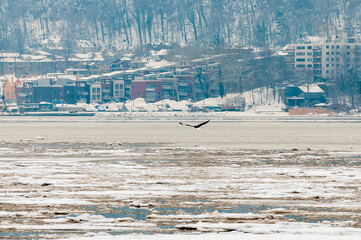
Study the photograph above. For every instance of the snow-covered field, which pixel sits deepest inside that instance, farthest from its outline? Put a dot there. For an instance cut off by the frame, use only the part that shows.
(148, 179)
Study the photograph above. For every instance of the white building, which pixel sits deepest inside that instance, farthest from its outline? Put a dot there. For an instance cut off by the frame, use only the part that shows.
(325, 58)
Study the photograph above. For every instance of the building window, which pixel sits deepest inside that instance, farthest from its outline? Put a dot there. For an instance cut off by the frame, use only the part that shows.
(327, 46)
(327, 65)
(309, 47)
(300, 60)
(300, 54)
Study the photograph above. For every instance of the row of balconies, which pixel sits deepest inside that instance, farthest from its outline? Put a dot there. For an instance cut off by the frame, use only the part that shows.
(183, 93)
(167, 87)
(183, 84)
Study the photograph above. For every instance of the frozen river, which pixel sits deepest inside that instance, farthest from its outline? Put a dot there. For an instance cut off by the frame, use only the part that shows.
(246, 134)
(107, 177)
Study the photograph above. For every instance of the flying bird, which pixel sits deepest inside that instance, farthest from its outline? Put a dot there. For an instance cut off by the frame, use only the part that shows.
(195, 126)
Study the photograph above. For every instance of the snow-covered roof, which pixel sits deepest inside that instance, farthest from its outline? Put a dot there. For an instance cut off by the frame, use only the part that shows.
(126, 59)
(51, 39)
(112, 73)
(39, 52)
(9, 55)
(281, 53)
(70, 77)
(90, 77)
(76, 69)
(36, 58)
(85, 44)
(162, 52)
(89, 57)
(316, 40)
(311, 88)
(158, 64)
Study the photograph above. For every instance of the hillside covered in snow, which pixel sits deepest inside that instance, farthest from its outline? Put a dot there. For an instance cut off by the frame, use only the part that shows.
(127, 23)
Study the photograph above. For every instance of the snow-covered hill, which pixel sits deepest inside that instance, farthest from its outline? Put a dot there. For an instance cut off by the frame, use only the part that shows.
(127, 23)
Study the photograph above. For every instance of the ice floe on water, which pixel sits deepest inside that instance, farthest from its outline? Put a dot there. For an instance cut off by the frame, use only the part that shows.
(89, 188)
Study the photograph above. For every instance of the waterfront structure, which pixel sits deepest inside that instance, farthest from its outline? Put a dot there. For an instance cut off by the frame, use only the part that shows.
(9, 89)
(152, 84)
(323, 59)
(95, 93)
(304, 96)
(147, 87)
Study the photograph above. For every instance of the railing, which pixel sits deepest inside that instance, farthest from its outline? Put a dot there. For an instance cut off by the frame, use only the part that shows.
(167, 86)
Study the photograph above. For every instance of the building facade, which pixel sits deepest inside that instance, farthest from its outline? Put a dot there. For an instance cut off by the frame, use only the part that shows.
(323, 59)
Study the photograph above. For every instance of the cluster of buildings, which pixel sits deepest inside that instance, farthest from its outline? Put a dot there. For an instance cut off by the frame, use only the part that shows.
(95, 80)
(180, 82)
(322, 59)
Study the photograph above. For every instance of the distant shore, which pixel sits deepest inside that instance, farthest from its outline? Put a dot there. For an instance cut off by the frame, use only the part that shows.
(172, 116)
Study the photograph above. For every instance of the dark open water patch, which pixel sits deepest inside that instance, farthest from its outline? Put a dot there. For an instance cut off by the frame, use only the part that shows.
(300, 218)
(139, 214)
(27, 235)
(167, 226)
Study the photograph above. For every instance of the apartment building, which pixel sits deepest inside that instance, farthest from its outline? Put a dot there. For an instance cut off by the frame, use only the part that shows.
(323, 58)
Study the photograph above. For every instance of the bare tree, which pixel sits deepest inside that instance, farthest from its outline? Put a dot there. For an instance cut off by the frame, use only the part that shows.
(191, 15)
(348, 72)
(68, 44)
(138, 13)
(20, 40)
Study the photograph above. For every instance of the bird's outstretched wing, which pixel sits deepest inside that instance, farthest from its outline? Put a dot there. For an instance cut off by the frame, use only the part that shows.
(195, 126)
(203, 123)
(185, 124)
